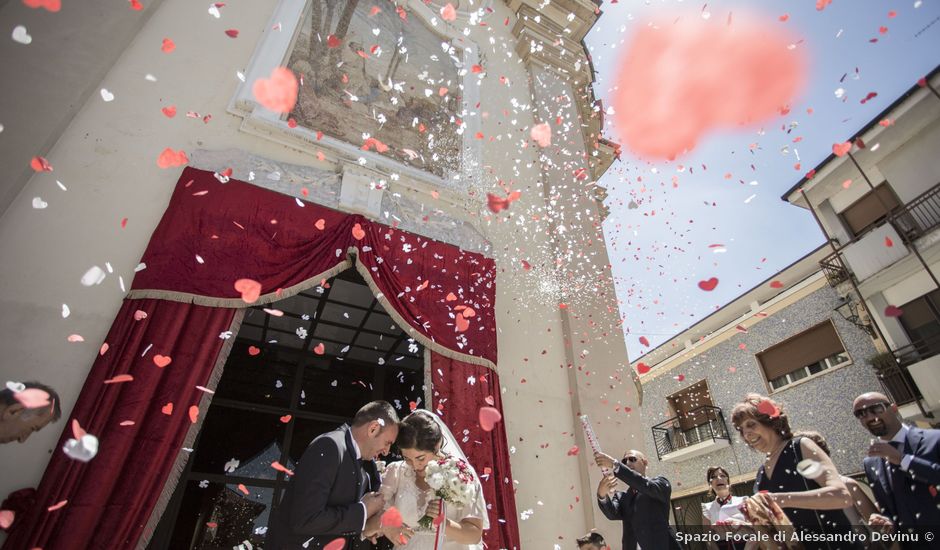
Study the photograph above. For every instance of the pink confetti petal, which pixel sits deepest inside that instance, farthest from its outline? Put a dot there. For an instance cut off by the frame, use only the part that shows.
(58, 505)
(541, 134)
(278, 93)
(119, 379)
(249, 289)
(32, 398)
(488, 417)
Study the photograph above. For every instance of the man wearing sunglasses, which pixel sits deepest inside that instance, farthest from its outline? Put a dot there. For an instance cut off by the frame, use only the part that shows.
(903, 465)
(643, 507)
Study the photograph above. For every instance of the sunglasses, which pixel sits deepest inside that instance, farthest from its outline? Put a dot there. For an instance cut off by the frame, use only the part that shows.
(630, 459)
(876, 409)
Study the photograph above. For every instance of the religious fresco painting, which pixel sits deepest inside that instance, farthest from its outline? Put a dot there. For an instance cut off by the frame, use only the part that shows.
(370, 72)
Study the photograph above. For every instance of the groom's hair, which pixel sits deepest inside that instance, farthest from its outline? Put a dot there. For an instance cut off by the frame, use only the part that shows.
(592, 538)
(376, 410)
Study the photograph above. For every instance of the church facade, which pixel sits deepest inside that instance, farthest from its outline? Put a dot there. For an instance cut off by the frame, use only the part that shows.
(423, 225)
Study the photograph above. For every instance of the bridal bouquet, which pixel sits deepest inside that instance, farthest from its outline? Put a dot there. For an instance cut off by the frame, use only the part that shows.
(452, 481)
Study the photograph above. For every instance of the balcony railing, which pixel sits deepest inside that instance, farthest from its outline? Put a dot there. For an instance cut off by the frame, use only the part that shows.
(834, 270)
(893, 369)
(707, 424)
(911, 221)
(920, 216)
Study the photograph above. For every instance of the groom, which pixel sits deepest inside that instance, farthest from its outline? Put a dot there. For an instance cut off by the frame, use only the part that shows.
(335, 488)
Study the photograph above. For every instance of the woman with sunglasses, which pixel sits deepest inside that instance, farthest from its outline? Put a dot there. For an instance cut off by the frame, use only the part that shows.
(796, 475)
(722, 514)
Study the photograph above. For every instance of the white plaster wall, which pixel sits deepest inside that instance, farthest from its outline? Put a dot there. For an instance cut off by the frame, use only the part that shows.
(107, 159)
(915, 166)
(857, 189)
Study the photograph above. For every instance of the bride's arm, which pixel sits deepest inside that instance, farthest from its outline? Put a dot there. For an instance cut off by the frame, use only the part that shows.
(466, 531)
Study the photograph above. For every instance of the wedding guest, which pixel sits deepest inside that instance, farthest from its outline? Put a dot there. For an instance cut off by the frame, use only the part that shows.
(722, 514)
(18, 421)
(592, 541)
(812, 496)
(903, 465)
(643, 507)
(862, 507)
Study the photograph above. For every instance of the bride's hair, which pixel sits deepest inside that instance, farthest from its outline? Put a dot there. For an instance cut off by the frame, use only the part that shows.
(419, 431)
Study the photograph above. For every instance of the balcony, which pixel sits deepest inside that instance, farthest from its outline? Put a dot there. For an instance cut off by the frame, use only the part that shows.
(699, 431)
(917, 375)
(869, 253)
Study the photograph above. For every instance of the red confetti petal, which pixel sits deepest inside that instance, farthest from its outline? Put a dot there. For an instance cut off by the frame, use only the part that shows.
(50, 5)
(358, 232)
(162, 360)
(335, 544)
(119, 379)
(167, 409)
(708, 285)
(168, 45)
(40, 164)
(642, 368)
(232, 33)
(169, 158)
(286, 418)
(893, 311)
(320, 349)
(391, 518)
(840, 149)
(252, 350)
(193, 414)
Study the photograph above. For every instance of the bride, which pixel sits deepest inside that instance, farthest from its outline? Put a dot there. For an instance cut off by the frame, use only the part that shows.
(422, 438)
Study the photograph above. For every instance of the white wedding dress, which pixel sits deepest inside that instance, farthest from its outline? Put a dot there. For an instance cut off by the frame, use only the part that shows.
(401, 491)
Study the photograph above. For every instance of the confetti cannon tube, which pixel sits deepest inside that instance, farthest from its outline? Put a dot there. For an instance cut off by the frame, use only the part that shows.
(592, 439)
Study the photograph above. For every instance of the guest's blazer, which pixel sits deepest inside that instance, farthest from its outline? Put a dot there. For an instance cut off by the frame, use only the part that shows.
(909, 497)
(644, 511)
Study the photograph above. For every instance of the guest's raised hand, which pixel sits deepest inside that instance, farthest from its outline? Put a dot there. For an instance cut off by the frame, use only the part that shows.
(604, 461)
(374, 503)
(606, 486)
(884, 449)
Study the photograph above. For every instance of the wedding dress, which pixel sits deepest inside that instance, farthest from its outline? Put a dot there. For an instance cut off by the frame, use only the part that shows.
(400, 489)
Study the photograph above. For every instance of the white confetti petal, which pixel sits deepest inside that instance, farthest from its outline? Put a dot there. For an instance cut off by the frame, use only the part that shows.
(66, 311)
(94, 276)
(21, 35)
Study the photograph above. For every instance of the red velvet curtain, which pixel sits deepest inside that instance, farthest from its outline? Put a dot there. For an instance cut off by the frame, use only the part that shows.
(458, 401)
(214, 234)
(111, 497)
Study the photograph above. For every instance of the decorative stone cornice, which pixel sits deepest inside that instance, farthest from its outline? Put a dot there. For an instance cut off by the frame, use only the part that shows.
(550, 34)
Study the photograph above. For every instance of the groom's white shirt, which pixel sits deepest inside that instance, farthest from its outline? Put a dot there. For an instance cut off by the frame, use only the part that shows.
(365, 511)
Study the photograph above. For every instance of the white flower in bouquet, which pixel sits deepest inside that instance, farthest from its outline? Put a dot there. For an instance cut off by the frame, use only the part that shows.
(452, 481)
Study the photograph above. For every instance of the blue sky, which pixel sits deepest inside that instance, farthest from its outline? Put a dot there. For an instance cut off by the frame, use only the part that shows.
(660, 249)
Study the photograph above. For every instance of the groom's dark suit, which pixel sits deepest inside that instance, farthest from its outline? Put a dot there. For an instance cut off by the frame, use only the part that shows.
(322, 500)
